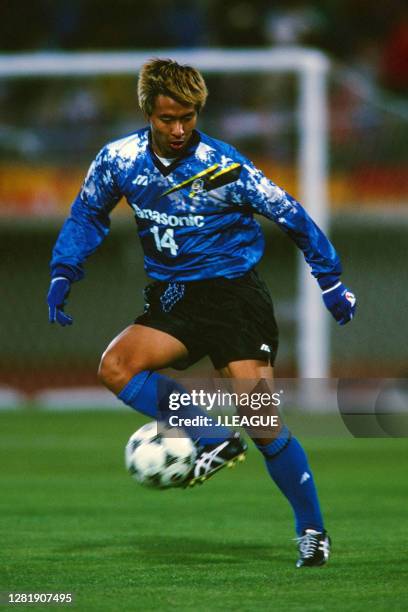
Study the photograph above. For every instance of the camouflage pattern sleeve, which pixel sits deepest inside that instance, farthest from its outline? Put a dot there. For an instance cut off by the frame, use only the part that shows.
(272, 202)
(89, 222)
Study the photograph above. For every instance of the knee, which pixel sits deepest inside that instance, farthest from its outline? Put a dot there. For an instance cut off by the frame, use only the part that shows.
(115, 369)
(109, 366)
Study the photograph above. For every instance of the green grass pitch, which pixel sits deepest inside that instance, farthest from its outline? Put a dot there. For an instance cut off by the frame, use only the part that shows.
(72, 520)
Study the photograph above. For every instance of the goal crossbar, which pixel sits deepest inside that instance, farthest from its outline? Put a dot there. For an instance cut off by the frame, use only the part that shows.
(128, 62)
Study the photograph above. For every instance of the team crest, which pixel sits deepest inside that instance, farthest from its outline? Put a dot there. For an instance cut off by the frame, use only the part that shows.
(197, 187)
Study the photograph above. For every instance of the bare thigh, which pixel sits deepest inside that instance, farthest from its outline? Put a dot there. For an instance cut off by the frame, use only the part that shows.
(135, 349)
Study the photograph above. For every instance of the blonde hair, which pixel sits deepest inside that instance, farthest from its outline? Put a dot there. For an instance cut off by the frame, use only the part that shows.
(168, 78)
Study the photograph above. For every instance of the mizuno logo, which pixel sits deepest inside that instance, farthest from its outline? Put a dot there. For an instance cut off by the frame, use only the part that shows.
(265, 347)
(141, 179)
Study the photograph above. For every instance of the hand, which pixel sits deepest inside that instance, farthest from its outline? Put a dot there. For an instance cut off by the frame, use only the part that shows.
(57, 298)
(341, 302)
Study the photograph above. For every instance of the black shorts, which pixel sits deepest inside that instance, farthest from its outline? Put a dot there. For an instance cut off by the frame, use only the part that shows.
(226, 319)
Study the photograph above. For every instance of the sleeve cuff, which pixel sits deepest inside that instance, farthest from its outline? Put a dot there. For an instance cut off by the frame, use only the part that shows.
(66, 272)
(327, 281)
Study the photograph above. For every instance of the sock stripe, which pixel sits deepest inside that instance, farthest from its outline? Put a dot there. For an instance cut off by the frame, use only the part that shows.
(130, 391)
(274, 448)
(282, 448)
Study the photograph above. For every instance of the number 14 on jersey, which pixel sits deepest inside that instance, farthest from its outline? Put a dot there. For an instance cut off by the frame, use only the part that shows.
(165, 241)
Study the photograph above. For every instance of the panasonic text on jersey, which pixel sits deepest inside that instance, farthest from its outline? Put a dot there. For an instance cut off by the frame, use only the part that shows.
(163, 218)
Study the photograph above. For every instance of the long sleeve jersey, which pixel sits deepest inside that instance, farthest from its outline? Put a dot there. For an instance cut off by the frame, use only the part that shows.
(195, 217)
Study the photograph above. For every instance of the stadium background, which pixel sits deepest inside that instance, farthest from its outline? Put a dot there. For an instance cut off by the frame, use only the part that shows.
(70, 518)
(52, 128)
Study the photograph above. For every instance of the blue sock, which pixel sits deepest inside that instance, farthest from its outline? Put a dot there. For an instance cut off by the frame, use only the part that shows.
(149, 392)
(287, 465)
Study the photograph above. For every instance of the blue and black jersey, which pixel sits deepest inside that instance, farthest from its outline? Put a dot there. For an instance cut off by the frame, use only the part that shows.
(195, 217)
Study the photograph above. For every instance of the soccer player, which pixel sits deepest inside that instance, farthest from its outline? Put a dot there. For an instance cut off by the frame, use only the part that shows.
(194, 200)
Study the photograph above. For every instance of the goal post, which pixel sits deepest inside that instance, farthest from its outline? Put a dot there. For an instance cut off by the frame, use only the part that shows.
(311, 69)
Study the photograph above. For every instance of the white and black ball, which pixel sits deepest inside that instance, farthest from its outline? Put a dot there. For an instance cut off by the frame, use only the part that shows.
(160, 457)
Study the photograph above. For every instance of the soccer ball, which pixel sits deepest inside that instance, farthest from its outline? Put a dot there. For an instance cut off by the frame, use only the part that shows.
(159, 457)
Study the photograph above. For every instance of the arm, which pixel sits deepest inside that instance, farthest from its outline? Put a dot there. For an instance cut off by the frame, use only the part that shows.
(274, 203)
(82, 233)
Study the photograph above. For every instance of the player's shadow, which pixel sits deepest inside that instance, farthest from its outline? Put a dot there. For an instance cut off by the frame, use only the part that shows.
(178, 549)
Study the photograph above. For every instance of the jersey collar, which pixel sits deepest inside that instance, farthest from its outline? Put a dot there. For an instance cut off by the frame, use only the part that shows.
(165, 170)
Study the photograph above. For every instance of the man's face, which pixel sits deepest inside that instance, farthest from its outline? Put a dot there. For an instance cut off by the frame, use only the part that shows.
(172, 125)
